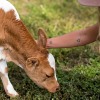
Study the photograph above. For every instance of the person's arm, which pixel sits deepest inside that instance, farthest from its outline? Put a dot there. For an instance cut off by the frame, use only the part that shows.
(74, 39)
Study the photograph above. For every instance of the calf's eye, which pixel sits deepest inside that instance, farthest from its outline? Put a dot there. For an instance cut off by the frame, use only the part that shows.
(48, 76)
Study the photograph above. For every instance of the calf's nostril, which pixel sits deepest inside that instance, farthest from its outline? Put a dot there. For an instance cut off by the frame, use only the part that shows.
(58, 88)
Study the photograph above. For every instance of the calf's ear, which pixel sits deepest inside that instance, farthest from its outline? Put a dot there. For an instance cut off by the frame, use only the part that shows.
(32, 63)
(42, 38)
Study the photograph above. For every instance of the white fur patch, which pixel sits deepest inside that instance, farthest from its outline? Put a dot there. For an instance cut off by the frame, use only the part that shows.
(7, 6)
(3, 66)
(52, 62)
(2, 56)
(3, 63)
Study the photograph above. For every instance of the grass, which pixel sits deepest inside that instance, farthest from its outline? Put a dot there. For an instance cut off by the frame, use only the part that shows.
(78, 69)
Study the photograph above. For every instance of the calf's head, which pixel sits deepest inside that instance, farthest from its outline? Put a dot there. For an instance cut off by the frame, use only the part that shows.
(41, 67)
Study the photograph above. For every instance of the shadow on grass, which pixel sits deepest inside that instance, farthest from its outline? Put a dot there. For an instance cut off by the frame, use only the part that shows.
(73, 86)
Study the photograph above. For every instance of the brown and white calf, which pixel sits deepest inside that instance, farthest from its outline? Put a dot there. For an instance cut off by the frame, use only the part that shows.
(18, 46)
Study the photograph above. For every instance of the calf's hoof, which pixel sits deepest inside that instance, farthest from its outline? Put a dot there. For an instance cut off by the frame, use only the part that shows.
(15, 94)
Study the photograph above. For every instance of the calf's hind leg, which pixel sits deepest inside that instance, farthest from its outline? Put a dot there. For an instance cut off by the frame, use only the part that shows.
(5, 79)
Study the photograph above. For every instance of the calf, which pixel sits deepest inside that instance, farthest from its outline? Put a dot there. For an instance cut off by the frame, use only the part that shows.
(18, 46)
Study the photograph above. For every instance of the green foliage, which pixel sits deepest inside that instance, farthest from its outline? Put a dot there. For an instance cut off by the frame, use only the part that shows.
(78, 69)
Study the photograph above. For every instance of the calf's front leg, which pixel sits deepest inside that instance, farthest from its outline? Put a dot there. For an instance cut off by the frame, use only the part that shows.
(5, 79)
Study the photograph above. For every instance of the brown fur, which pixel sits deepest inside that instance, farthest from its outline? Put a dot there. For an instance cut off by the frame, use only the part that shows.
(21, 48)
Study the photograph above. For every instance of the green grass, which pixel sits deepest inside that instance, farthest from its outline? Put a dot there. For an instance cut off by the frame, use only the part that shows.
(78, 69)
